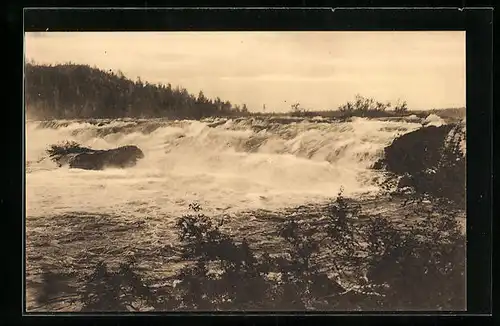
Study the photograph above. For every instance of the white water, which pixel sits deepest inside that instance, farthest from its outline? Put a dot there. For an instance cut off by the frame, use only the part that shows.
(238, 165)
(434, 120)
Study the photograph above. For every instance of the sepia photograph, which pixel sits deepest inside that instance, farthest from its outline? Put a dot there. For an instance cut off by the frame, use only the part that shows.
(245, 171)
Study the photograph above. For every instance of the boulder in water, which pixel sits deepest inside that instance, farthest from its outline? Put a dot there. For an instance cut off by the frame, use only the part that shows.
(415, 151)
(76, 156)
(429, 160)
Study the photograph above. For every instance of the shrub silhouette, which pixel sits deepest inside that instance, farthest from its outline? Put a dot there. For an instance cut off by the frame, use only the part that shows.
(421, 267)
(382, 267)
(115, 291)
(401, 107)
(65, 148)
(369, 107)
(59, 153)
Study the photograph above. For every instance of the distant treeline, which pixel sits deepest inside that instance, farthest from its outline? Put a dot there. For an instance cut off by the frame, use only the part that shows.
(75, 91)
(371, 108)
(449, 115)
(72, 91)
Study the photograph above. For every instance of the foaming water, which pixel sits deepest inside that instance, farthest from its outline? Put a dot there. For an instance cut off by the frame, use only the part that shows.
(226, 165)
(434, 120)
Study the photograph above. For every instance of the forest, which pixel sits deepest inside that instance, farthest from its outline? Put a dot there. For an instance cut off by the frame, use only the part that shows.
(75, 91)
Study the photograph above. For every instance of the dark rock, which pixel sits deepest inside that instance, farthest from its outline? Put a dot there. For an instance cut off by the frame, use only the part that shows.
(405, 181)
(79, 157)
(429, 162)
(379, 165)
(121, 157)
(415, 151)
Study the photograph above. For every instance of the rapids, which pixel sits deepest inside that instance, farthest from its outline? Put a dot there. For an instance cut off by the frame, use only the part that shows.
(225, 165)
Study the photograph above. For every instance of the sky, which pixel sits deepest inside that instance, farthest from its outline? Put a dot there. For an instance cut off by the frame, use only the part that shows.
(319, 70)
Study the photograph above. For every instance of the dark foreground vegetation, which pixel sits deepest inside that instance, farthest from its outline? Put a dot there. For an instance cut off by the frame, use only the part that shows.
(377, 267)
(373, 263)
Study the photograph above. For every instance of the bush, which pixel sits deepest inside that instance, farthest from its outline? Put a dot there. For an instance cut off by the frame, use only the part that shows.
(401, 107)
(65, 148)
(375, 265)
(362, 106)
(422, 267)
(115, 291)
(369, 107)
(58, 152)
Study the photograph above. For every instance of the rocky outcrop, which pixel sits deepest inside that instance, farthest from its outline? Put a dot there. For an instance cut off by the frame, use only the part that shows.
(429, 161)
(76, 156)
(415, 151)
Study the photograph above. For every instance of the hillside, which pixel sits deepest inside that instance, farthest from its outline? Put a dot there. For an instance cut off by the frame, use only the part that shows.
(71, 91)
